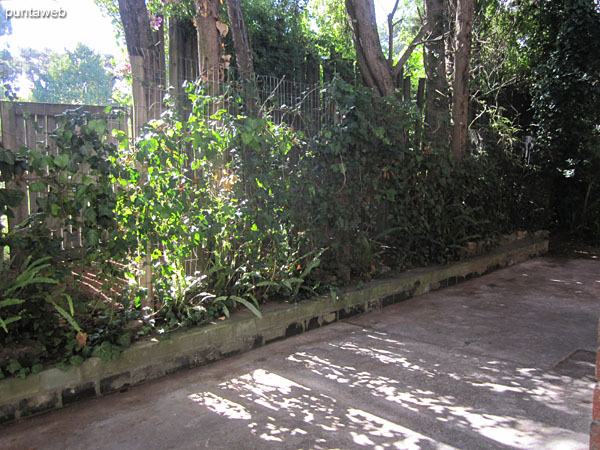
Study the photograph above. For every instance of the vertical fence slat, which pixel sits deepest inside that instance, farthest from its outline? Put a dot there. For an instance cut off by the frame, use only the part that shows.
(32, 138)
(50, 143)
(52, 150)
(16, 127)
(18, 131)
(400, 77)
(406, 89)
(420, 102)
(9, 141)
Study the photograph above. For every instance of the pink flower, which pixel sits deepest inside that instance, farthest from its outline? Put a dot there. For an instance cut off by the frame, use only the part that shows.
(155, 22)
(124, 71)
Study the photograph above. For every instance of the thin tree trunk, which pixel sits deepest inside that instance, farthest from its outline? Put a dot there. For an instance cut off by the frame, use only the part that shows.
(138, 34)
(437, 104)
(375, 69)
(406, 55)
(176, 48)
(183, 54)
(243, 53)
(148, 45)
(586, 202)
(390, 21)
(241, 42)
(208, 21)
(460, 110)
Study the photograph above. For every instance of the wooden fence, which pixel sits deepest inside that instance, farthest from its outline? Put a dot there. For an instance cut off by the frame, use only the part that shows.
(30, 125)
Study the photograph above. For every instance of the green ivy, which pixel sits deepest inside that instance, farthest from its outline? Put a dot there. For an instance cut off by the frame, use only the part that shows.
(233, 211)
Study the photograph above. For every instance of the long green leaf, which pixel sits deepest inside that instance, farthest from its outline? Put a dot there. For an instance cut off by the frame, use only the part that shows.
(66, 315)
(266, 283)
(3, 325)
(252, 297)
(253, 309)
(311, 265)
(4, 322)
(12, 319)
(70, 302)
(38, 280)
(10, 302)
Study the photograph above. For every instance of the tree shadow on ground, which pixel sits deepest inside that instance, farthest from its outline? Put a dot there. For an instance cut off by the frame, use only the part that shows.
(428, 400)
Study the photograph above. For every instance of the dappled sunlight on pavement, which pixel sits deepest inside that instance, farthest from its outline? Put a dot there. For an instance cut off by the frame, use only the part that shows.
(502, 361)
(317, 415)
(501, 403)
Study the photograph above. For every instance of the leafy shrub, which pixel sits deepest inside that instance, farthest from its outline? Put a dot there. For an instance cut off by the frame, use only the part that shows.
(374, 196)
(207, 192)
(232, 211)
(74, 195)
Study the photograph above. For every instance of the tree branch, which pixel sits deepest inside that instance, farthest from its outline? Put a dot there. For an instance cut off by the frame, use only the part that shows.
(400, 64)
(391, 25)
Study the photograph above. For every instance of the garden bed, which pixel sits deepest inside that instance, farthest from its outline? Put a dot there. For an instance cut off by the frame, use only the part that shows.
(150, 359)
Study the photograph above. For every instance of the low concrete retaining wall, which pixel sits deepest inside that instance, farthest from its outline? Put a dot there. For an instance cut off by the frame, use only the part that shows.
(147, 360)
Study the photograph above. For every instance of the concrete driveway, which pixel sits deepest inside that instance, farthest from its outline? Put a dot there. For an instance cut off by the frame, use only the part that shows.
(501, 361)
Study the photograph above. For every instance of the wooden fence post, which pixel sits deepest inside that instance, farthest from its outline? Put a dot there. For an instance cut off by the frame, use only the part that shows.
(406, 89)
(419, 122)
(13, 135)
(400, 78)
(140, 118)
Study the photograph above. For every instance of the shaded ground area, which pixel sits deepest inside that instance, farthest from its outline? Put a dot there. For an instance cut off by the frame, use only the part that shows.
(563, 245)
(505, 360)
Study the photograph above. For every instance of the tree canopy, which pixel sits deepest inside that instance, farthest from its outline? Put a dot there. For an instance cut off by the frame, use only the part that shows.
(533, 69)
(79, 76)
(9, 66)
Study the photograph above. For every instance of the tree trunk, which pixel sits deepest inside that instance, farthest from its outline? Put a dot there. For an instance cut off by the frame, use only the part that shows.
(437, 105)
(375, 69)
(241, 43)
(183, 54)
(147, 59)
(209, 28)
(138, 34)
(243, 53)
(460, 107)
(148, 77)
(158, 72)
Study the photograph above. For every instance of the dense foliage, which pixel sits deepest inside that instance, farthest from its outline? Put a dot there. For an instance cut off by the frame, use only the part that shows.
(232, 211)
(536, 74)
(44, 311)
(373, 188)
(228, 211)
(566, 99)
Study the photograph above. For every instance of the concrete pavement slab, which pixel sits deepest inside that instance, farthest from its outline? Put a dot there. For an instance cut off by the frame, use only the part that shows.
(537, 312)
(502, 361)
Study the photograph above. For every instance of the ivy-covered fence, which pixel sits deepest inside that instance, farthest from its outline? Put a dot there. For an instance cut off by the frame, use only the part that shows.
(30, 125)
(267, 212)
